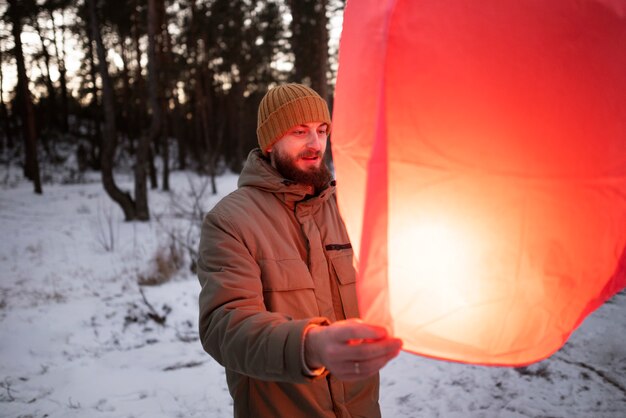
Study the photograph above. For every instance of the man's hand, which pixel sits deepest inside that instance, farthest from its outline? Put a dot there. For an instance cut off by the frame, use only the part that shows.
(350, 349)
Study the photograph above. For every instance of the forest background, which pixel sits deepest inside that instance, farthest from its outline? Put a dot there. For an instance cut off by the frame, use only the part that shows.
(113, 83)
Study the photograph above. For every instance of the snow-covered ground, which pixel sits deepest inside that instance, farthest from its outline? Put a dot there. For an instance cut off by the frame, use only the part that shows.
(80, 338)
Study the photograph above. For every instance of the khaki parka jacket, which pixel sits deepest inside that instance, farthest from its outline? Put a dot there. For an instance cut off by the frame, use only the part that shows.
(272, 261)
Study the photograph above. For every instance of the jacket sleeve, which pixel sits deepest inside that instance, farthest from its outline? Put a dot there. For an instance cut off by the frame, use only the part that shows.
(235, 327)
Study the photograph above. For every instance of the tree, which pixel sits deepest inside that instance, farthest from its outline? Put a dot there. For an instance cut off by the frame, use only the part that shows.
(94, 105)
(52, 99)
(16, 11)
(309, 43)
(109, 140)
(89, 115)
(4, 113)
(245, 39)
(159, 70)
(51, 7)
(143, 148)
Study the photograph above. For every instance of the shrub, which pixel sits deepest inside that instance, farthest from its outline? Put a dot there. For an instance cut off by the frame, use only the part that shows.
(167, 260)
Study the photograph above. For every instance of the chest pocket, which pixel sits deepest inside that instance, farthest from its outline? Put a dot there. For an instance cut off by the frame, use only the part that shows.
(288, 288)
(341, 261)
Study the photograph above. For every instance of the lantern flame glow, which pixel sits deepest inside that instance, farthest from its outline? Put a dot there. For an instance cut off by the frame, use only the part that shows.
(430, 252)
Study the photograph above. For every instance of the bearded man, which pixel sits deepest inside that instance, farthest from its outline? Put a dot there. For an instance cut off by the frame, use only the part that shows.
(278, 304)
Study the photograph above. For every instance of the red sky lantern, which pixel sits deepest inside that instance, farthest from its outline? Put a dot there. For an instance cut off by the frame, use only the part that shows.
(480, 153)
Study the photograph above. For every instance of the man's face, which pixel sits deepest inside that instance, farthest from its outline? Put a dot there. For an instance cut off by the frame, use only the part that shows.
(299, 154)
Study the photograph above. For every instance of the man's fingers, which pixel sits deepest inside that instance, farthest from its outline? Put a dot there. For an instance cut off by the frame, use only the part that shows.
(370, 350)
(356, 331)
(370, 355)
(352, 349)
(364, 351)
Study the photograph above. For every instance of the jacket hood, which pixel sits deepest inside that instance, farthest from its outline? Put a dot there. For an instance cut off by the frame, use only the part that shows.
(258, 173)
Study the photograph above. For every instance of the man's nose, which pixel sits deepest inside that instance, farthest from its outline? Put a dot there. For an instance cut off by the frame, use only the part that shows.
(314, 141)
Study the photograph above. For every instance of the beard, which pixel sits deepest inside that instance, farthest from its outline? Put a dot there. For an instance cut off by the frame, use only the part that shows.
(318, 177)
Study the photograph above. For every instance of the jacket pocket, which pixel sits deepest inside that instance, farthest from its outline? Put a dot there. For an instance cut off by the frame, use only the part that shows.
(342, 262)
(288, 288)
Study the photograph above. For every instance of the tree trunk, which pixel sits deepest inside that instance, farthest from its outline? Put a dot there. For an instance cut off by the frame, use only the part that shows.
(204, 103)
(109, 142)
(94, 106)
(62, 75)
(4, 115)
(194, 92)
(165, 149)
(310, 42)
(31, 164)
(143, 149)
(319, 81)
(237, 109)
(194, 124)
(138, 96)
(128, 123)
(152, 171)
(165, 55)
(178, 126)
(52, 99)
(153, 91)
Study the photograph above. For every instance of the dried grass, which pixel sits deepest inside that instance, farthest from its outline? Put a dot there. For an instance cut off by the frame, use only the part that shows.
(166, 262)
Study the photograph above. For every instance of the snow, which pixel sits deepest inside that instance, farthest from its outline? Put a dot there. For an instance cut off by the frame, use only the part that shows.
(76, 339)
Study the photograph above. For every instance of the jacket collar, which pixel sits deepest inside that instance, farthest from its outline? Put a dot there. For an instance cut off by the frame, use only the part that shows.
(259, 173)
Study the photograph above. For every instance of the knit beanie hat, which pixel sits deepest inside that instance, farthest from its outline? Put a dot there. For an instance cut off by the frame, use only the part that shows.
(286, 106)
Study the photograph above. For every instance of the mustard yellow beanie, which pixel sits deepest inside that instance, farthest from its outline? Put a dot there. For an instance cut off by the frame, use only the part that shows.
(286, 106)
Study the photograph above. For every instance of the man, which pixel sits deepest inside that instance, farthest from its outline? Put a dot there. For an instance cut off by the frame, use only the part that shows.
(278, 305)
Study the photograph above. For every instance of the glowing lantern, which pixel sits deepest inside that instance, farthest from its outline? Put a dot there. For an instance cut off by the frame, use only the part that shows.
(480, 152)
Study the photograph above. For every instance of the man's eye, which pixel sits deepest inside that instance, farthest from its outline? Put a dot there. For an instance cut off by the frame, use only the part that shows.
(322, 131)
